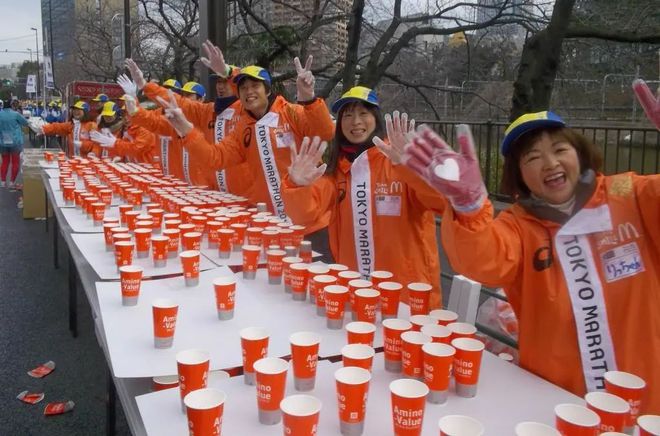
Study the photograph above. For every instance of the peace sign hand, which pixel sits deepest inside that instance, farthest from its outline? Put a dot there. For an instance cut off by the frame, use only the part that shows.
(305, 80)
(304, 170)
(214, 60)
(174, 115)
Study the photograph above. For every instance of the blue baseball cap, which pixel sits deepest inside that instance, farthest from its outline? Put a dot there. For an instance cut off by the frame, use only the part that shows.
(253, 72)
(526, 123)
(356, 93)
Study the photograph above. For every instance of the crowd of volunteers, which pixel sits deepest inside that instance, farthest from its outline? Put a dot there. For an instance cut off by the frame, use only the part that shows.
(577, 254)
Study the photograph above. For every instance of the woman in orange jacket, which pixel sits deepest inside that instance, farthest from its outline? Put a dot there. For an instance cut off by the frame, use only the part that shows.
(381, 215)
(118, 138)
(76, 129)
(268, 124)
(577, 254)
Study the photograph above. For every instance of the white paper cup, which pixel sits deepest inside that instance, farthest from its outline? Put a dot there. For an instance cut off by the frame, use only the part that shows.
(460, 425)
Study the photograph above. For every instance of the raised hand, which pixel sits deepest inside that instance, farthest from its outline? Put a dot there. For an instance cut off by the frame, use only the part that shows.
(305, 80)
(129, 86)
(649, 102)
(456, 175)
(174, 115)
(131, 104)
(136, 73)
(305, 168)
(214, 59)
(105, 140)
(399, 133)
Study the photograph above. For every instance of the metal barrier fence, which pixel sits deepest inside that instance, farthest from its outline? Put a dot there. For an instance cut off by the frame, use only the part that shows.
(624, 148)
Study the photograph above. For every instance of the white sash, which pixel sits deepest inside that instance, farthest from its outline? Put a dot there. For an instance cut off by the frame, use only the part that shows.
(186, 165)
(265, 149)
(76, 137)
(164, 154)
(220, 131)
(362, 216)
(586, 292)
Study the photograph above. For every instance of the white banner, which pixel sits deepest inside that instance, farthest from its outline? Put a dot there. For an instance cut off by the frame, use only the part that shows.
(31, 83)
(48, 73)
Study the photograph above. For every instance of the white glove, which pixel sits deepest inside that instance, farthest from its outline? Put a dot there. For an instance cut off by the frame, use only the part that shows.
(304, 170)
(104, 140)
(129, 86)
(214, 59)
(305, 80)
(37, 125)
(131, 104)
(136, 73)
(399, 133)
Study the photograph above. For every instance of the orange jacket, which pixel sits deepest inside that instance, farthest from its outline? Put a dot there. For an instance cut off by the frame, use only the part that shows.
(133, 143)
(403, 211)
(236, 179)
(269, 137)
(516, 250)
(66, 129)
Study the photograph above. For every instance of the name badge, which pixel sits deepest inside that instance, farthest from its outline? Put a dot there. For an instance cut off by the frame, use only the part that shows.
(388, 205)
(284, 139)
(621, 262)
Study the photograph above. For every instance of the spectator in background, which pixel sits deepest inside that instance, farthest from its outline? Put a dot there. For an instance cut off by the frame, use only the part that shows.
(11, 143)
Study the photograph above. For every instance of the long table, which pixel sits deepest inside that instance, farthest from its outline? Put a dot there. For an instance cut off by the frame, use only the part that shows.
(530, 398)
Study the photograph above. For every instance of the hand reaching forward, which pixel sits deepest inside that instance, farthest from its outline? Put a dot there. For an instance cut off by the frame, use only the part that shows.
(304, 170)
(456, 175)
(174, 115)
(305, 80)
(214, 60)
(399, 133)
(105, 140)
(136, 73)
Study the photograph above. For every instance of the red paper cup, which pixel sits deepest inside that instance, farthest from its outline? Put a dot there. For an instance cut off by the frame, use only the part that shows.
(193, 369)
(392, 330)
(359, 332)
(629, 387)
(160, 383)
(286, 237)
(408, 402)
(254, 345)
(462, 330)
(300, 415)
(270, 238)
(144, 224)
(378, 277)
(250, 261)
(225, 236)
(419, 295)
(313, 271)
(438, 333)
(360, 355)
(131, 278)
(190, 264)
(298, 234)
(298, 279)
(98, 211)
(191, 241)
(131, 218)
(612, 410)
(239, 235)
(443, 316)
(336, 268)
(107, 235)
(116, 231)
(454, 425)
(173, 243)
(649, 425)
(225, 292)
(335, 297)
(204, 409)
(186, 228)
(123, 253)
(390, 293)
(199, 221)
(172, 223)
(419, 321)
(344, 277)
(275, 266)
(271, 382)
(412, 357)
(574, 420)
(317, 285)
(535, 429)
(157, 218)
(164, 316)
(438, 360)
(286, 271)
(254, 236)
(159, 250)
(365, 304)
(304, 355)
(142, 242)
(467, 363)
(214, 227)
(352, 389)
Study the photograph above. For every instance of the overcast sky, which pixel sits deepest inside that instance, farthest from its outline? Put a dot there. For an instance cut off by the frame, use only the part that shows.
(15, 34)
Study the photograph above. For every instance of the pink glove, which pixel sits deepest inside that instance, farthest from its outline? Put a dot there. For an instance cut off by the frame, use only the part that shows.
(455, 175)
(649, 102)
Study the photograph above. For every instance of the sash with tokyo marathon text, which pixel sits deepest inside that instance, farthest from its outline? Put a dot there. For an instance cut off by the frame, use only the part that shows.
(220, 132)
(164, 154)
(268, 164)
(362, 216)
(586, 292)
(186, 165)
(76, 137)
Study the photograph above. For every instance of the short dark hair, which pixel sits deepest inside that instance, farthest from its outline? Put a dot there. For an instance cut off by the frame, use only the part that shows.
(243, 79)
(512, 182)
(334, 150)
